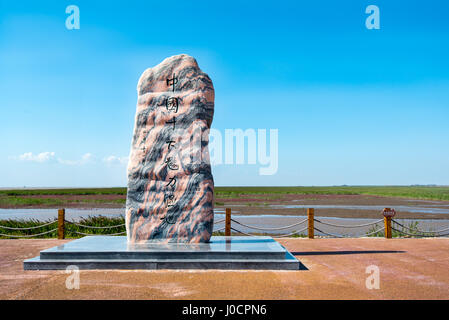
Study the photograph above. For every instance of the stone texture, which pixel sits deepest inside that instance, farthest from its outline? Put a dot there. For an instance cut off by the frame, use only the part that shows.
(170, 185)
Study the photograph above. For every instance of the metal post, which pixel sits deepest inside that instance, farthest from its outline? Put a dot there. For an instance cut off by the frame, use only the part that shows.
(61, 219)
(310, 217)
(387, 222)
(228, 222)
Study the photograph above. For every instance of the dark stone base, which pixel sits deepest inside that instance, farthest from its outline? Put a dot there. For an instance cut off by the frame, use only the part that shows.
(110, 252)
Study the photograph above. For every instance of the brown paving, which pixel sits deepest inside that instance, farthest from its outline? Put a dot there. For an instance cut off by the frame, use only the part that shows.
(409, 269)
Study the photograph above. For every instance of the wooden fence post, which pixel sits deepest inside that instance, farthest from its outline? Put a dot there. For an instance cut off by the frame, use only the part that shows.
(387, 222)
(61, 218)
(228, 222)
(310, 217)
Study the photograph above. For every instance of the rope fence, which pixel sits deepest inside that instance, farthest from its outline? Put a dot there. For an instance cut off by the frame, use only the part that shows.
(29, 228)
(366, 234)
(297, 232)
(94, 227)
(399, 230)
(246, 234)
(269, 229)
(375, 231)
(109, 234)
(343, 236)
(419, 235)
(28, 236)
(349, 226)
(420, 231)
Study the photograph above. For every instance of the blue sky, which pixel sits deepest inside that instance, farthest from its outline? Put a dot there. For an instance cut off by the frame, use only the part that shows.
(351, 105)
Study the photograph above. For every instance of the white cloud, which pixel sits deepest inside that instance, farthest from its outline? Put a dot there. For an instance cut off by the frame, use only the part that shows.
(86, 158)
(50, 156)
(41, 157)
(115, 160)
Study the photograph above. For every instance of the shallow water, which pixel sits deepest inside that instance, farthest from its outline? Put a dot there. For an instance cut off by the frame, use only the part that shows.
(413, 209)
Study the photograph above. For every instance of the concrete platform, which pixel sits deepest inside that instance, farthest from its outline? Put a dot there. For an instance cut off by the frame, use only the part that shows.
(409, 269)
(110, 252)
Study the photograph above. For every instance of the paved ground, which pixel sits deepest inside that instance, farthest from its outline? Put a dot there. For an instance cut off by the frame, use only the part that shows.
(409, 269)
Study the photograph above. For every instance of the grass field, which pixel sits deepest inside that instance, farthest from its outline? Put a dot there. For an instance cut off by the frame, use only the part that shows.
(68, 191)
(16, 201)
(58, 197)
(414, 192)
(427, 192)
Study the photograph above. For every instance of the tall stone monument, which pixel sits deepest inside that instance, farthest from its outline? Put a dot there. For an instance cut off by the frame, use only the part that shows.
(169, 206)
(170, 185)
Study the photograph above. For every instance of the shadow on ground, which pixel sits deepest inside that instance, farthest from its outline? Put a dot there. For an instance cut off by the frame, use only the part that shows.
(321, 253)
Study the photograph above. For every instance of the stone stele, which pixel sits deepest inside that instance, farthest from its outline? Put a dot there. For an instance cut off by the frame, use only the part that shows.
(170, 185)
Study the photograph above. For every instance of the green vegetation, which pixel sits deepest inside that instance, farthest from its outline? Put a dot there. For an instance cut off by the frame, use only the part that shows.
(70, 229)
(412, 229)
(253, 204)
(21, 201)
(52, 197)
(415, 192)
(27, 224)
(82, 191)
(257, 204)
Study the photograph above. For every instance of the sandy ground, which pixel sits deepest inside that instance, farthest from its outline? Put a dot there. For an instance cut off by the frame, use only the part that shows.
(409, 269)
